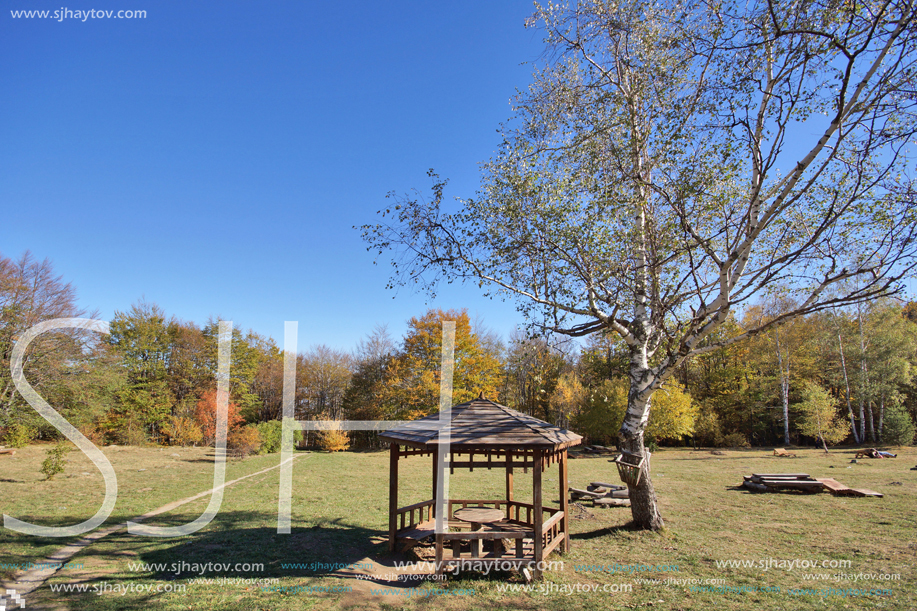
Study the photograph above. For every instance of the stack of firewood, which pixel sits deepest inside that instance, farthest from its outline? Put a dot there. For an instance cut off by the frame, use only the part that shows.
(602, 495)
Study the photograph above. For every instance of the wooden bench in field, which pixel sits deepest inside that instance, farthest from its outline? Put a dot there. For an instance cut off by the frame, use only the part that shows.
(783, 452)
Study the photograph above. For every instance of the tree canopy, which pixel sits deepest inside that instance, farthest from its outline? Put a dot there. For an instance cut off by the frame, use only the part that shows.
(675, 161)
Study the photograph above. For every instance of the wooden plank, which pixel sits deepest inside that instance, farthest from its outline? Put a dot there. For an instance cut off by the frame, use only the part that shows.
(799, 485)
(781, 480)
(782, 475)
(832, 484)
(840, 489)
(861, 492)
(8, 451)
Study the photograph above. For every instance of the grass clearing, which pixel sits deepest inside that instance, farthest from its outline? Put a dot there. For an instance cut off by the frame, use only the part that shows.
(340, 504)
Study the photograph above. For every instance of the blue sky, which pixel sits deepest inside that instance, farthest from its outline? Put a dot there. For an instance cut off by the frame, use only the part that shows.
(213, 157)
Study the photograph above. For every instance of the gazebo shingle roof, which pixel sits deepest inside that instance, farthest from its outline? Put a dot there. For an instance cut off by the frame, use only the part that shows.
(483, 424)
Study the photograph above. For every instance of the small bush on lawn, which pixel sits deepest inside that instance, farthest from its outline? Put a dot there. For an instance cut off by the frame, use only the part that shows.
(183, 431)
(55, 462)
(19, 435)
(243, 441)
(271, 433)
(332, 441)
(735, 440)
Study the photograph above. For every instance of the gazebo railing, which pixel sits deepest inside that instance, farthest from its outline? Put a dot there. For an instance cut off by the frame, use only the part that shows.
(552, 533)
(518, 526)
(412, 516)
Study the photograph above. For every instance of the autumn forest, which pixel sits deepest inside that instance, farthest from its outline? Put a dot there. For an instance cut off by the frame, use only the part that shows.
(836, 376)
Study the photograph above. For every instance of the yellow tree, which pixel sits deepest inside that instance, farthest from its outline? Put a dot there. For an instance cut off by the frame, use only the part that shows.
(410, 387)
(819, 416)
(605, 408)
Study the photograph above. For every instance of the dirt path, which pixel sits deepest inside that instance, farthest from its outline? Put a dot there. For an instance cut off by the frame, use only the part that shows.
(26, 582)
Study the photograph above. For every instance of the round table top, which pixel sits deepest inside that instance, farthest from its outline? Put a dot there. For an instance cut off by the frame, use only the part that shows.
(478, 515)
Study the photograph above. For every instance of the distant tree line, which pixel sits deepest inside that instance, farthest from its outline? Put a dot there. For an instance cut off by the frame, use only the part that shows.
(835, 376)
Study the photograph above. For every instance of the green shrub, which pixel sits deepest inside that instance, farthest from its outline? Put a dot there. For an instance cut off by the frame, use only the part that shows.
(897, 427)
(271, 433)
(19, 435)
(55, 462)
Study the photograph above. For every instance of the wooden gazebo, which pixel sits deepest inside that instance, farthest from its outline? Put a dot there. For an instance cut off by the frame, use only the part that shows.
(484, 435)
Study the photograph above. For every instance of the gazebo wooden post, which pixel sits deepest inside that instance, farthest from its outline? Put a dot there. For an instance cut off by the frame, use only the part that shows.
(509, 478)
(564, 500)
(435, 481)
(392, 496)
(539, 516)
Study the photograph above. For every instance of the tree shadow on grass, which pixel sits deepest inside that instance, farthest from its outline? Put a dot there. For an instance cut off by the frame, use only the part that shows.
(605, 531)
(239, 560)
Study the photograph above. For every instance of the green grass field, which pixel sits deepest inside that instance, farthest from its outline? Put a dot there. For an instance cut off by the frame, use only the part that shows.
(340, 506)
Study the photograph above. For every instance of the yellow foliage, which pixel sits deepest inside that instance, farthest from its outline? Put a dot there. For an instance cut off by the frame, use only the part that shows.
(242, 441)
(410, 388)
(672, 412)
(183, 431)
(603, 412)
(332, 441)
(568, 399)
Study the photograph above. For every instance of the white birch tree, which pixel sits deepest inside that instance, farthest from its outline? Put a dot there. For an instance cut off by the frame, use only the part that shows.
(671, 163)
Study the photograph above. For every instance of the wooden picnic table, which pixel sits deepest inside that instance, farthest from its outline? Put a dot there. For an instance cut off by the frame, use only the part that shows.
(477, 517)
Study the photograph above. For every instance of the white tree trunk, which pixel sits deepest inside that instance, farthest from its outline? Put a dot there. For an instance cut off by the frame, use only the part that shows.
(881, 416)
(864, 379)
(784, 390)
(853, 426)
(643, 505)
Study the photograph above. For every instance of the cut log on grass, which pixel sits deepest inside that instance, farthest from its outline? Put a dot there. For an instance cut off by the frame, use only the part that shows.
(584, 493)
(611, 486)
(755, 487)
(608, 502)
